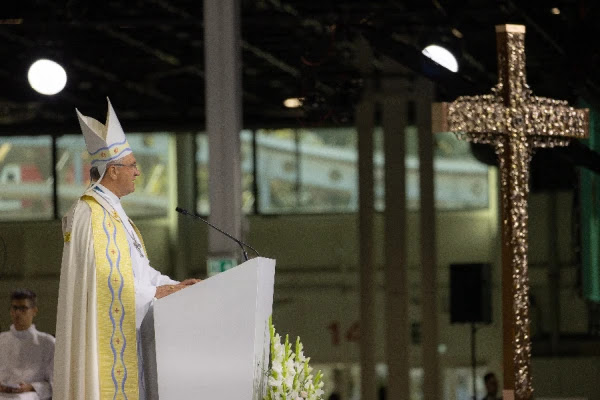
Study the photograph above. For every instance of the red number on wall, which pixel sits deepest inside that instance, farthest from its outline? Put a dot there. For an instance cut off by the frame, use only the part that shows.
(334, 329)
(353, 333)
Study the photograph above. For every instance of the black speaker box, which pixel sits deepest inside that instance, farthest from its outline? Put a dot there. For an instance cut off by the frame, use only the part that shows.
(470, 293)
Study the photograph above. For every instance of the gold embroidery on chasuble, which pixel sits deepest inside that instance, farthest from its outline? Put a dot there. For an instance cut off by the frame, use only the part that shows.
(115, 298)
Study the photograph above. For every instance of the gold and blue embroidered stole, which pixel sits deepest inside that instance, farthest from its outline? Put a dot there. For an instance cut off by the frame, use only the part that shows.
(115, 299)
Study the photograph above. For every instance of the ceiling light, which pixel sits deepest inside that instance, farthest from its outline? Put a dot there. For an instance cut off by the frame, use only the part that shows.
(293, 102)
(555, 10)
(47, 77)
(441, 56)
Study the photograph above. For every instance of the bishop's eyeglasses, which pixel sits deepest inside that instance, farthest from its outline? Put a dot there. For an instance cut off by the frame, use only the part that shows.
(134, 165)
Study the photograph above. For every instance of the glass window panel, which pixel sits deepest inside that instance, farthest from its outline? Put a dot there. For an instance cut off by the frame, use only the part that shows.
(26, 178)
(307, 170)
(461, 181)
(248, 198)
(72, 170)
(458, 382)
(151, 197)
(247, 164)
(277, 164)
(203, 199)
(328, 170)
(354, 381)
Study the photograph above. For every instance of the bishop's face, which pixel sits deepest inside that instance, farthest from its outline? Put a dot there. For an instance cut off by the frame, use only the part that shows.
(124, 173)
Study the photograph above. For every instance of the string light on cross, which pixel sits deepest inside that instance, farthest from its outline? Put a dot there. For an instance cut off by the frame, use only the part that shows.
(515, 122)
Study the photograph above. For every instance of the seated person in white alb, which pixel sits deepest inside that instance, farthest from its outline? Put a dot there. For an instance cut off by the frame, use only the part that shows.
(26, 354)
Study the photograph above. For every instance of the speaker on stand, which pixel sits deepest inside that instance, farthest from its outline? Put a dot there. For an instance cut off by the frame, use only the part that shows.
(471, 302)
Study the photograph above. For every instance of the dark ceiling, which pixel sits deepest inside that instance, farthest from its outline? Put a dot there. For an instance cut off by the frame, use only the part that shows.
(147, 56)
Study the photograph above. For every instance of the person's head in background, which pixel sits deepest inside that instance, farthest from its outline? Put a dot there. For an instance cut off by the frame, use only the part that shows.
(23, 308)
(491, 384)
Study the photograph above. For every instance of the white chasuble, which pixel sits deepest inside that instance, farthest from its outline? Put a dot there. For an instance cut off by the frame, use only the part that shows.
(96, 350)
(104, 294)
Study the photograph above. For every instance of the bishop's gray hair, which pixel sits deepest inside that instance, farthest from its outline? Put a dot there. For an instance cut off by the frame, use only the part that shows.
(95, 174)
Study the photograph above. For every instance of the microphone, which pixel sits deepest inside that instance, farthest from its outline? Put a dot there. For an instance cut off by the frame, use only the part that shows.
(239, 242)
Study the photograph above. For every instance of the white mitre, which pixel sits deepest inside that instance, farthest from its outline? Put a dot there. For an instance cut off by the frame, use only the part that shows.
(105, 143)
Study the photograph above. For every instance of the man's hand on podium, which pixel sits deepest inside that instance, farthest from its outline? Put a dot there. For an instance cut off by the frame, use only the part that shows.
(190, 281)
(21, 388)
(166, 290)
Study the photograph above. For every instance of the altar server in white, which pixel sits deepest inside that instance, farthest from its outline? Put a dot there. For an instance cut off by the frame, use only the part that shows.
(106, 283)
(26, 354)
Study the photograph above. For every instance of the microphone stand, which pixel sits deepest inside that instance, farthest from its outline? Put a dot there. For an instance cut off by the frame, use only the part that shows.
(474, 359)
(239, 242)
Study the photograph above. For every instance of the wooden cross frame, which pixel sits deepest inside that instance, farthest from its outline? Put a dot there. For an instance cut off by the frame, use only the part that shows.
(515, 122)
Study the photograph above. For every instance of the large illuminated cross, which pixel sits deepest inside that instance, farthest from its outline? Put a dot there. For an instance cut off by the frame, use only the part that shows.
(515, 122)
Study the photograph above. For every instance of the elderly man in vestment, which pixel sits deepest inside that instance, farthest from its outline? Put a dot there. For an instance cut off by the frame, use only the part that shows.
(26, 354)
(106, 282)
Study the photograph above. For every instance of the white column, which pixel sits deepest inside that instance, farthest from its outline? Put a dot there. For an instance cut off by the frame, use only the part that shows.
(397, 343)
(223, 83)
(429, 312)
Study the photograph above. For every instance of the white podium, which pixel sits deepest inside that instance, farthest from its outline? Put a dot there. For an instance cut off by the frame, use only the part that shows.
(212, 339)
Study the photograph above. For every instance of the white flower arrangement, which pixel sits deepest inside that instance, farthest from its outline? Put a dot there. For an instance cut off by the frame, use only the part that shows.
(289, 376)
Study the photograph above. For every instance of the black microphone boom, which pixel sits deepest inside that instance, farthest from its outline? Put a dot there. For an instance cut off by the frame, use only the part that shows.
(239, 242)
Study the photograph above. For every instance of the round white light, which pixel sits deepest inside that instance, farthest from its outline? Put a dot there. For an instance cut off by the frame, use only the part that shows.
(441, 56)
(292, 102)
(47, 77)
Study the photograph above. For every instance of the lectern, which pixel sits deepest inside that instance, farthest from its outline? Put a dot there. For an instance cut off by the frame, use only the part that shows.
(212, 339)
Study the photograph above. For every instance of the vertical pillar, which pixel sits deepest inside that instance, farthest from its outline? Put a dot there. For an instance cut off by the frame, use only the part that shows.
(223, 83)
(429, 313)
(184, 173)
(365, 115)
(397, 344)
(554, 273)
